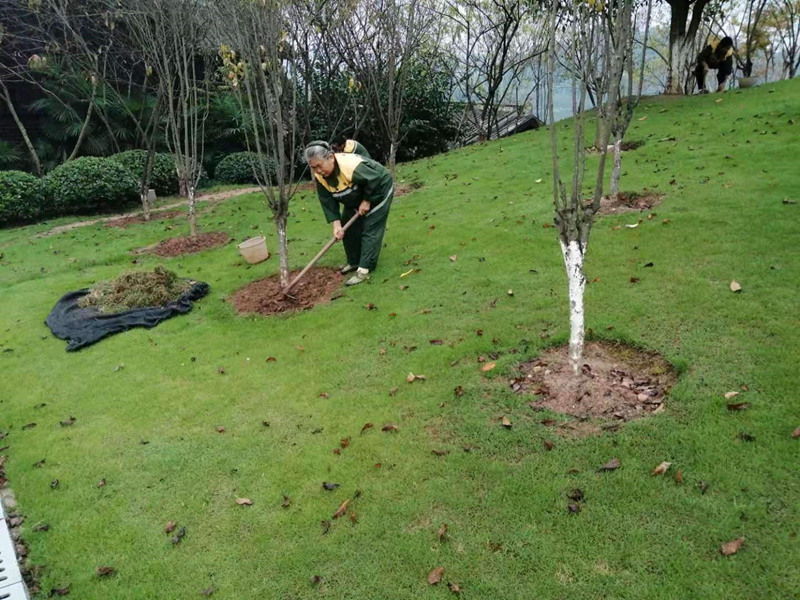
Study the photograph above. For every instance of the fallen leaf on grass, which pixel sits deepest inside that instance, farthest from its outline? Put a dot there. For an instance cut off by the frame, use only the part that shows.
(440, 452)
(220, 370)
(506, 422)
(574, 508)
(329, 486)
(442, 533)
(179, 536)
(679, 477)
(411, 378)
(453, 258)
(732, 547)
(316, 579)
(365, 427)
(353, 517)
(635, 280)
(458, 391)
(435, 576)
(644, 118)
(170, 527)
(538, 181)
(68, 422)
(435, 342)
(739, 406)
(221, 429)
(370, 306)
(409, 272)
(549, 445)
(244, 502)
(344, 442)
(390, 427)
(576, 494)
(633, 226)
(208, 591)
(105, 571)
(393, 391)
(54, 484)
(37, 465)
(324, 395)
(662, 468)
(342, 509)
(29, 426)
(796, 433)
(286, 501)
(730, 395)
(488, 367)
(454, 587)
(101, 483)
(64, 591)
(272, 359)
(326, 526)
(611, 465)
(736, 286)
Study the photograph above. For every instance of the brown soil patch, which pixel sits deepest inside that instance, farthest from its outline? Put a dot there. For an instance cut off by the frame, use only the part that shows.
(187, 245)
(631, 145)
(401, 189)
(137, 220)
(616, 382)
(628, 202)
(264, 296)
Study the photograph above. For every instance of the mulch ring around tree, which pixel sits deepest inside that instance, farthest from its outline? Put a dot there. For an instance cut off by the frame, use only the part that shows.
(179, 246)
(137, 220)
(616, 383)
(264, 297)
(628, 202)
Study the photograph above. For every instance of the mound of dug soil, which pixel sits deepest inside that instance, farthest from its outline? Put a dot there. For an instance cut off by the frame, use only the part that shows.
(616, 382)
(264, 296)
(137, 220)
(628, 202)
(187, 245)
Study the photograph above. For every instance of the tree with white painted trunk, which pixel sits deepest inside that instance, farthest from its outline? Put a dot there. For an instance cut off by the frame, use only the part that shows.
(601, 49)
(258, 62)
(173, 37)
(621, 119)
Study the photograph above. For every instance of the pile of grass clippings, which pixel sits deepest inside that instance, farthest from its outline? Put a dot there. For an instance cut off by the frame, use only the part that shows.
(136, 289)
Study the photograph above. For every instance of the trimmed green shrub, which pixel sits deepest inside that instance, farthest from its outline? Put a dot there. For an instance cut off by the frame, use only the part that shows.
(88, 184)
(21, 197)
(238, 168)
(163, 178)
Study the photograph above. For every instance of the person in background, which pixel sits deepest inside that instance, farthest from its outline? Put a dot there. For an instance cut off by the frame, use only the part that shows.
(343, 145)
(718, 54)
(361, 185)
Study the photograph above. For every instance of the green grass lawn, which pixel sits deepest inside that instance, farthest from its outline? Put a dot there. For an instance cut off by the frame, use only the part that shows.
(733, 163)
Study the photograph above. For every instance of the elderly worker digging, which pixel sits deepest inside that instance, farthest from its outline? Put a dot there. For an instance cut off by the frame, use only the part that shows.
(361, 185)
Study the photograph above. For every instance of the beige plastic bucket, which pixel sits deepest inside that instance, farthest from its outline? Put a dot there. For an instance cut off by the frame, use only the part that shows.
(254, 250)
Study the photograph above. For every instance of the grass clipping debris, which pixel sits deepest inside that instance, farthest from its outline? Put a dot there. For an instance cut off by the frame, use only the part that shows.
(136, 289)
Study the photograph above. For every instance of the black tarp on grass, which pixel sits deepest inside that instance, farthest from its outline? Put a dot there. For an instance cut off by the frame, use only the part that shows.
(85, 326)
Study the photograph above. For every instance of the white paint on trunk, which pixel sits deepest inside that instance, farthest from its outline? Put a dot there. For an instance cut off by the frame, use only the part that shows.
(573, 261)
(145, 206)
(192, 212)
(615, 172)
(283, 254)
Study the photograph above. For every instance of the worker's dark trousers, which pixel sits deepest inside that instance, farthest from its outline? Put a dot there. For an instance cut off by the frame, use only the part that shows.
(724, 70)
(364, 239)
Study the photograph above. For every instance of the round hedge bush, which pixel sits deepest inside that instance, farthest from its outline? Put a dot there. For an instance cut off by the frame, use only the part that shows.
(21, 197)
(238, 168)
(88, 184)
(163, 178)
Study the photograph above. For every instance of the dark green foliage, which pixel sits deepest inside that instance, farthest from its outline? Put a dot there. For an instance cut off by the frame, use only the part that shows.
(88, 184)
(238, 168)
(163, 178)
(21, 197)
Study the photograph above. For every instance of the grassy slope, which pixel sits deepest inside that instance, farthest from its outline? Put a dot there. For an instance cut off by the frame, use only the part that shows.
(637, 537)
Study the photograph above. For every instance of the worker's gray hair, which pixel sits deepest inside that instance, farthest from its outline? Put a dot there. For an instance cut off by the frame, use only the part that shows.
(318, 149)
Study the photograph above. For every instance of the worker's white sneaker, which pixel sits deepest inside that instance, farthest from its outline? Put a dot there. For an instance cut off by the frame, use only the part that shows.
(348, 269)
(360, 277)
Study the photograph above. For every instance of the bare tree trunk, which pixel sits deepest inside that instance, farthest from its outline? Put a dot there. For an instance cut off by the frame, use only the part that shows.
(573, 253)
(192, 211)
(393, 158)
(615, 171)
(281, 218)
(86, 121)
(37, 164)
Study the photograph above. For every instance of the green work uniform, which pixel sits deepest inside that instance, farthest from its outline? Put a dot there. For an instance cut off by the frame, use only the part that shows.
(354, 147)
(355, 178)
